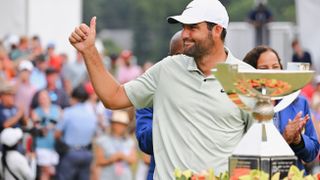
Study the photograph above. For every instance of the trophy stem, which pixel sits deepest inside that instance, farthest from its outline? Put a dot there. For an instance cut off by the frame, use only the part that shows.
(263, 109)
(264, 133)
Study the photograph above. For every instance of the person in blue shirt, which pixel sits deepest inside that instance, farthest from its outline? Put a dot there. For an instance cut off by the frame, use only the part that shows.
(144, 116)
(76, 129)
(293, 121)
(11, 115)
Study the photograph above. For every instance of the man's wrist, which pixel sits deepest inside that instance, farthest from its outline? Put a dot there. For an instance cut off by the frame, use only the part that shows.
(88, 50)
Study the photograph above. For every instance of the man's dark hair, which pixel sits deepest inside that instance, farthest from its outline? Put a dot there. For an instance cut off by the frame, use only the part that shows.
(223, 33)
(80, 94)
(50, 71)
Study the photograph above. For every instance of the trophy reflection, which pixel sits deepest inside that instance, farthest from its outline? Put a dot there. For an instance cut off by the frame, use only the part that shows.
(262, 147)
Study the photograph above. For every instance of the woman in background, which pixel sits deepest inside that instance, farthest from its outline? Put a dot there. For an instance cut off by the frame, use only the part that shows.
(45, 118)
(299, 133)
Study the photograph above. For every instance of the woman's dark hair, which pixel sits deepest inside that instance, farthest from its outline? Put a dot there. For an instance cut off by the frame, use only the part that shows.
(253, 55)
(80, 93)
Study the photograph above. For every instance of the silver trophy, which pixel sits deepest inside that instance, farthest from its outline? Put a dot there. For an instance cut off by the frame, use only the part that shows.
(262, 147)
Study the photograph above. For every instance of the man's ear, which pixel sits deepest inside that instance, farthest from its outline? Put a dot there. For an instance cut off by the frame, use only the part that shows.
(217, 30)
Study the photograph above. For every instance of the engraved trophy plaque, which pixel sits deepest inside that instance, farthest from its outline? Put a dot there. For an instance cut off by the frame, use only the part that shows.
(262, 147)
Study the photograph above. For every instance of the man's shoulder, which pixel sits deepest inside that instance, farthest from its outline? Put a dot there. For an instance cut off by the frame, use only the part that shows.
(173, 62)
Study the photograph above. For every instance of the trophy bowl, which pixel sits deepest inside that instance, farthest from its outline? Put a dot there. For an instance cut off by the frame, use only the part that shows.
(262, 147)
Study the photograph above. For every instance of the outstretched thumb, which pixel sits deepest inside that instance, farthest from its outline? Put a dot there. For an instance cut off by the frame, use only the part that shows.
(93, 24)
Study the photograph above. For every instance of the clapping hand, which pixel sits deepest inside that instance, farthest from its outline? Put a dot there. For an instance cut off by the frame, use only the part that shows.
(292, 132)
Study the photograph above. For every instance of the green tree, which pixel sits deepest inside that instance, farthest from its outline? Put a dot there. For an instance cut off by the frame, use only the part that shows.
(152, 32)
(147, 19)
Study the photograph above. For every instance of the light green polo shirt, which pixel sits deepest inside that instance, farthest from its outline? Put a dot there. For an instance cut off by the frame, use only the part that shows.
(195, 125)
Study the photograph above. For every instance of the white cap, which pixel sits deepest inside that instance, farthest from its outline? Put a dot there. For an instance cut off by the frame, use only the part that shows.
(120, 116)
(25, 65)
(10, 136)
(202, 11)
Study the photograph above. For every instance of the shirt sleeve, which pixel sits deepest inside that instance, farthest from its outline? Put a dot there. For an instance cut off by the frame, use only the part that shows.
(62, 123)
(24, 168)
(309, 151)
(144, 129)
(141, 90)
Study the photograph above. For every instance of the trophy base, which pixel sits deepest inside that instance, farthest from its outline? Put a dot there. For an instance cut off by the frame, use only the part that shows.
(269, 165)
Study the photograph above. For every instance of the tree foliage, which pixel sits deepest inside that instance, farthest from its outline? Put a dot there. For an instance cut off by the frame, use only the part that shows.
(147, 19)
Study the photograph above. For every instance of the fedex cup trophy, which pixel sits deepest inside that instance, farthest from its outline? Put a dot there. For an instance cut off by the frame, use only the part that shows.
(262, 147)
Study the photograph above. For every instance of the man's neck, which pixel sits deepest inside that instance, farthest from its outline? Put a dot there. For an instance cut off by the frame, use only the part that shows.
(208, 62)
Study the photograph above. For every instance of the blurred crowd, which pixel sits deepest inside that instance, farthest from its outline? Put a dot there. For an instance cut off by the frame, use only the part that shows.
(66, 131)
(61, 129)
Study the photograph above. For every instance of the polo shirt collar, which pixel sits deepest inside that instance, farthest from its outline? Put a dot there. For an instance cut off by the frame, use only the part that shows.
(192, 66)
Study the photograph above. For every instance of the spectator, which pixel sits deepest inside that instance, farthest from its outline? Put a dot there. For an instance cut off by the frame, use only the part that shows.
(76, 129)
(10, 114)
(304, 144)
(14, 165)
(57, 95)
(45, 118)
(75, 72)
(36, 48)
(25, 90)
(259, 17)
(54, 60)
(300, 55)
(114, 65)
(38, 75)
(128, 70)
(116, 152)
(22, 51)
(6, 66)
(315, 100)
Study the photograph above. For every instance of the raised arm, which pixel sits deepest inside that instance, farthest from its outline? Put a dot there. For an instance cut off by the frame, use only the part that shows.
(111, 93)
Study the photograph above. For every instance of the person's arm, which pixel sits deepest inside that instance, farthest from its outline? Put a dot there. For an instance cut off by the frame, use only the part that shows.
(132, 157)
(101, 160)
(144, 129)
(309, 151)
(316, 125)
(111, 93)
(15, 119)
(60, 127)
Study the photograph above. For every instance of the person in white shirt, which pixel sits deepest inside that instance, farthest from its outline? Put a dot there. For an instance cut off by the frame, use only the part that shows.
(13, 164)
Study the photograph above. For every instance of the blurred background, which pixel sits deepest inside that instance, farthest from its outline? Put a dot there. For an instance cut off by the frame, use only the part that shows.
(44, 82)
(140, 25)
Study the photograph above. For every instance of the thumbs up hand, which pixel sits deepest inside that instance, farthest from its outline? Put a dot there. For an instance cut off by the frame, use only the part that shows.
(83, 37)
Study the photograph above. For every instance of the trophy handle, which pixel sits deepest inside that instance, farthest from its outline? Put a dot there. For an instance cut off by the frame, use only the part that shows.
(286, 100)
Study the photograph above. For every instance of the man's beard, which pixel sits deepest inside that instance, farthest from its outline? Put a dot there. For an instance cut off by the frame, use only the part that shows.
(199, 48)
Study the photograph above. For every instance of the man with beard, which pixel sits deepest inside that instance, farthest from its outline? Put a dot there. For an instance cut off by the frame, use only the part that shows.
(195, 125)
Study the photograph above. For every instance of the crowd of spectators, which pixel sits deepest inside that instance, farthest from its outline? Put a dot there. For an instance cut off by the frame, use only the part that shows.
(66, 129)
